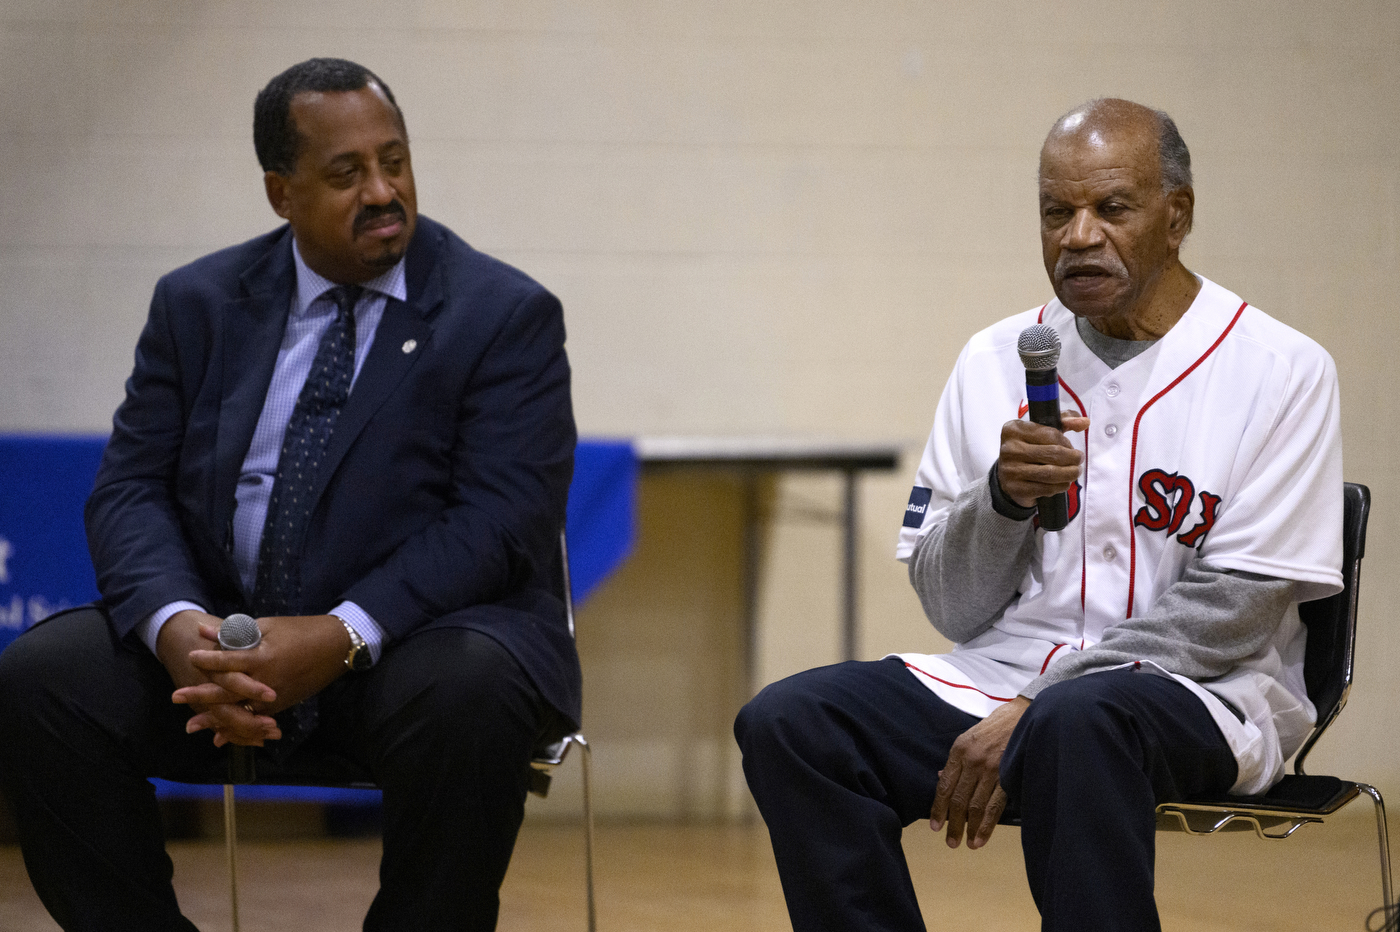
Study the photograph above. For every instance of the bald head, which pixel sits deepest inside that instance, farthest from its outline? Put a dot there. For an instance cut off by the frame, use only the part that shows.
(1091, 121)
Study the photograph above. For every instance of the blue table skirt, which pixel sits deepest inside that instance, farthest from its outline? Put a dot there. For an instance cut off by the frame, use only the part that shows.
(44, 564)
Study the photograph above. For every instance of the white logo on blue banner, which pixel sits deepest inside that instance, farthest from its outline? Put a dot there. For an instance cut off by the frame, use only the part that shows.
(44, 565)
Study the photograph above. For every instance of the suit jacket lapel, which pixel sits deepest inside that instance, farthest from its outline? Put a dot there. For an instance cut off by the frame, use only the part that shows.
(399, 342)
(252, 333)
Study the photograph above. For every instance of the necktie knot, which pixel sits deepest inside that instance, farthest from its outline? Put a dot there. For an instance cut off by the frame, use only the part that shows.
(346, 297)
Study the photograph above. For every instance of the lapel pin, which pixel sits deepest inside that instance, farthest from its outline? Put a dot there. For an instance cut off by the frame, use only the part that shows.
(409, 346)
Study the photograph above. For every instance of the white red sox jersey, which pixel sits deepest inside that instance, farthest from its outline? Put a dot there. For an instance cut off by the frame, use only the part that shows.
(1221, 441)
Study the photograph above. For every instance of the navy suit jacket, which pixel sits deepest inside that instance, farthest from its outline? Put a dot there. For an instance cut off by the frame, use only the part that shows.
(442, 495)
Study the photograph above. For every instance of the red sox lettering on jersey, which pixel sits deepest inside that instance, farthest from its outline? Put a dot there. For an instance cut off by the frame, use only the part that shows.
(1220, 443)
(1169, 498)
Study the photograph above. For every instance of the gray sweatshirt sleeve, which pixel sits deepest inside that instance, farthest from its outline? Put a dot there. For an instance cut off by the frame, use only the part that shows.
(1201, 627)
(969, 568)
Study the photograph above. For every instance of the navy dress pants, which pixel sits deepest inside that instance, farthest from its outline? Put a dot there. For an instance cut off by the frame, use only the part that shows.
(445, 723)
(841, 758)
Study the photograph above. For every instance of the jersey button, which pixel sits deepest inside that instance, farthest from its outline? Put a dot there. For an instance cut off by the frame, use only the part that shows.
(1111, 430)
(1112, 389)
(1109, 553)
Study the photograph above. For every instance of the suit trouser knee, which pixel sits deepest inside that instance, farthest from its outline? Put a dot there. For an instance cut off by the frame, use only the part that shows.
(450, 743)
(84, 718)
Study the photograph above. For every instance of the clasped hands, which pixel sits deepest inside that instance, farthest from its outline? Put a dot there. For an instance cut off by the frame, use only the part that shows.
(236, 693)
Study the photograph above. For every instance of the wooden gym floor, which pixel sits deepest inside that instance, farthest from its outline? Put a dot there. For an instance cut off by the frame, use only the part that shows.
(721, 878)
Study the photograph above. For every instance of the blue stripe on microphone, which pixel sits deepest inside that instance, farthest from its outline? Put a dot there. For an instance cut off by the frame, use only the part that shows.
(1049, 392)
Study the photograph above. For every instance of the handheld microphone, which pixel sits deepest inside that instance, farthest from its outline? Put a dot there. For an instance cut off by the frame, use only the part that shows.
(1039, 347)
(240, 632)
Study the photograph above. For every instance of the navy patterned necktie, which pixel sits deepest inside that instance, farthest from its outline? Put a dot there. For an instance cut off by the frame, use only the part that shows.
(278, 587)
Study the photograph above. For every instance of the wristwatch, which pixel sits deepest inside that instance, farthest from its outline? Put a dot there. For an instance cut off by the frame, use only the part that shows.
(358, 660)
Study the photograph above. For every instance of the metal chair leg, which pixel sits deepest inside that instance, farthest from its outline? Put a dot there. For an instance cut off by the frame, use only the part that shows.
(1375, 795)
(588, 828)
(231, 845)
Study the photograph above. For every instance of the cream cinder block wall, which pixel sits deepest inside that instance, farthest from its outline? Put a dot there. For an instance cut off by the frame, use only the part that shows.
(780, 217)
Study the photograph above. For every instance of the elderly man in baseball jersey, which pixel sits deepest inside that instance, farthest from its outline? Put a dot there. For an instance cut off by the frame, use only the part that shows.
(1150, 649)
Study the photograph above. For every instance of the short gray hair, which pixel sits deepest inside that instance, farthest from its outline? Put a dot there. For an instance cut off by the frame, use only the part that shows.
(1175, 158)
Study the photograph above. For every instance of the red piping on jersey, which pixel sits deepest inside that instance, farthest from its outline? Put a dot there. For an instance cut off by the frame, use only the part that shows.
(1132, 459)
(955, 685)
(1083, 543)
(1048, 656)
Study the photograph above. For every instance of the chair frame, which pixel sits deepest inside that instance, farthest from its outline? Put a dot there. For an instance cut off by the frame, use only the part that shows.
(1271, 815)
(542, 765)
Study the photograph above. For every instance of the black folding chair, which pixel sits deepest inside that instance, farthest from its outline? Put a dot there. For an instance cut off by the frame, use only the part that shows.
(543, 761)
(1300, 797)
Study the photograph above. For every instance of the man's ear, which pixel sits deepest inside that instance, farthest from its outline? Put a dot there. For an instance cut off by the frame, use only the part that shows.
(278, 193)
(1181, 207)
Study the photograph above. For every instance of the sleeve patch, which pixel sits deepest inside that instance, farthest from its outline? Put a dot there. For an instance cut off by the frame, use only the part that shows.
(918, 506)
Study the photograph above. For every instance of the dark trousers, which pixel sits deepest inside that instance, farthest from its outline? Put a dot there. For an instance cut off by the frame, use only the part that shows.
(841, 758)
(444, 723)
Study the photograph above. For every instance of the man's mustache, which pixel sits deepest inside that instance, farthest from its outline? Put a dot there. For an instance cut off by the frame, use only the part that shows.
(375, 212)
(1068, 264)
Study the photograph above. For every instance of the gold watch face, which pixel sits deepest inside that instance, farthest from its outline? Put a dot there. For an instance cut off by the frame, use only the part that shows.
(359, 658)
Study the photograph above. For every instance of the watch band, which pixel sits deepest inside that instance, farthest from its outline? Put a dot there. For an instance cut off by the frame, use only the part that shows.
(358, 658)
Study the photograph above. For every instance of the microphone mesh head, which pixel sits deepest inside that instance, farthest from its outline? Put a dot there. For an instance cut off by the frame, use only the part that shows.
(1039, 346)
(239, 632)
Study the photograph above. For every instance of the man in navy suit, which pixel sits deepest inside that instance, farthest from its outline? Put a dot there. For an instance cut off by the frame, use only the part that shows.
(358, 429)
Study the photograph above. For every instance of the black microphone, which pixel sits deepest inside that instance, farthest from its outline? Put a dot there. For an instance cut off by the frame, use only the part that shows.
(1039, 346)
(240, 632)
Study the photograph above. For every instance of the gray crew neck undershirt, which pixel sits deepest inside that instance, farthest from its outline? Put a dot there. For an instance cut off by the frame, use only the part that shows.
(1113, 351)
